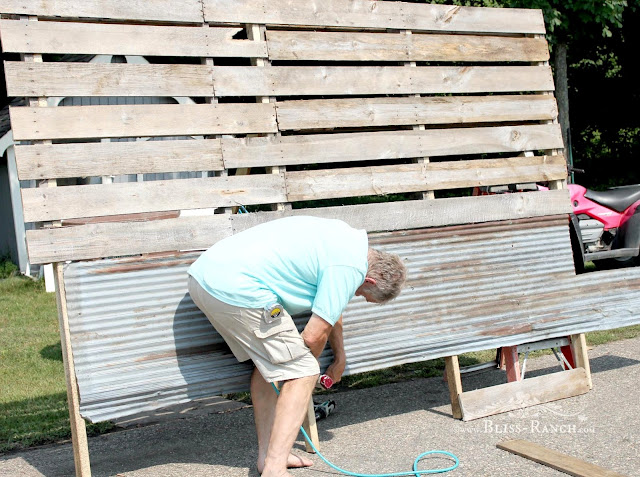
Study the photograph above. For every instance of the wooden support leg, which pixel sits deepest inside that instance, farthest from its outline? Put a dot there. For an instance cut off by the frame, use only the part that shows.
(580, 357)
(452, 371)
(78, 426)
(311, 428)
(510, 356)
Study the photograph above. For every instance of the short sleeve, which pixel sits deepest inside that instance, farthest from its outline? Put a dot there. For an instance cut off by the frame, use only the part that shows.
(338, 284)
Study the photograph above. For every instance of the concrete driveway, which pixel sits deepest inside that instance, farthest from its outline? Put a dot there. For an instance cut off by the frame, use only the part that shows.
(383, 429)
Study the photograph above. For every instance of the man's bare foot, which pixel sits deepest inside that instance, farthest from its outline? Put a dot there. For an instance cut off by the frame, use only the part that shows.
(293, 461)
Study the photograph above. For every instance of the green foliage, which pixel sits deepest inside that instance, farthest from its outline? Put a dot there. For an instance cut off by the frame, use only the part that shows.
(618, 146)
(8, 268)
(567, 18)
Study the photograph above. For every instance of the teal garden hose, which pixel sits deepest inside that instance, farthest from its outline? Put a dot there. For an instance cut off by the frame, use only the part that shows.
(414, 472)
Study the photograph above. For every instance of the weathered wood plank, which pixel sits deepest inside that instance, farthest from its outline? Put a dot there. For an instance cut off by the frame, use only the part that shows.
(20, 36)
(126, 238)
(49, 161)
(554, 459)
(325, 148)
(387, 216)
(107, 79)
(348, 80)
(73, 122)
(175, 11)
(199, 232)
(452, 373)
(77, 423)
(354, 46)
(380, 15)
(380, 180)
(580, 355)
(394, 111)
(520, 394)
(153, 196)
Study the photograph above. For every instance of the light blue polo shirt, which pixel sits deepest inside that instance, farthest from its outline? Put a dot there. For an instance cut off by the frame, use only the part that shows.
(304, 263)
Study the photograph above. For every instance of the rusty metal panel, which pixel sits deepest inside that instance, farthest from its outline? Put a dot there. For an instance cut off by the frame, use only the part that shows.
(140, 343)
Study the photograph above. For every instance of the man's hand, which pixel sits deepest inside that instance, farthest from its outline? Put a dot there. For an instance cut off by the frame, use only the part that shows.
(335, 370)
(315, 334)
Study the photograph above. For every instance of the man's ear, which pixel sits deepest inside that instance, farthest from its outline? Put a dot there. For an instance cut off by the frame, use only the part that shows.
(370, 281)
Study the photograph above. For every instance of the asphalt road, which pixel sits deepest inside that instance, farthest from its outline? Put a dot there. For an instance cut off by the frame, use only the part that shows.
(383, 429)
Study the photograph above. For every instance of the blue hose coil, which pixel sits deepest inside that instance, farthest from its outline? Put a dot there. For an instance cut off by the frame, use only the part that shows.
(414, 472)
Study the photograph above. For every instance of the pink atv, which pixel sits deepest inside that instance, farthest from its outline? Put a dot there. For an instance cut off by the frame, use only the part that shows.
(605, 226)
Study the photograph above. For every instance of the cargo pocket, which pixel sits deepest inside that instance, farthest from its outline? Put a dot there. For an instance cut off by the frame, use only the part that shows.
(281, 340)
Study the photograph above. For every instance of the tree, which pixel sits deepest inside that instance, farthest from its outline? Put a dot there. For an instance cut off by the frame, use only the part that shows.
(571, 21)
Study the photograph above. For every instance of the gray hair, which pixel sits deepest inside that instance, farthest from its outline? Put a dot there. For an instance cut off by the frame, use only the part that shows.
(389, 273)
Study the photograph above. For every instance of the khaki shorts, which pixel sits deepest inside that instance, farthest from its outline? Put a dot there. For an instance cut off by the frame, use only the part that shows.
(277, 349)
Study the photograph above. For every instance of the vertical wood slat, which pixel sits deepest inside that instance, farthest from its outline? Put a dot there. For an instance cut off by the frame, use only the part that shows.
(258, 33)
(78, 426)
(452, 372)
(423, 160)
(558, 184)
(580, 356)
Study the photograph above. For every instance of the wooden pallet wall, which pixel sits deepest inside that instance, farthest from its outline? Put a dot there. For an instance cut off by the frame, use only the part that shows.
(294, 102)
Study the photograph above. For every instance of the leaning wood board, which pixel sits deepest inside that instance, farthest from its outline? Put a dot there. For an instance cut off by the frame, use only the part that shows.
(399, 111)
(520, 394)
(378, 15)
(352, 46)
(554, 459)
(113, 39)
(46, 161)
(52, 79)
(199, 232)
(77, 122)
(99, 200)
(398, 144)
(189, 11)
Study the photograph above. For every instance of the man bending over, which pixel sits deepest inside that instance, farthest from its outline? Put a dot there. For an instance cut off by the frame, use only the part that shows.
(250, 284)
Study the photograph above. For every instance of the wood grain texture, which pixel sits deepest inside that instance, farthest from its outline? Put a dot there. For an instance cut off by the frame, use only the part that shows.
(125, 238)
(107, 79)
(49, 161)
(380, 15)
(77, 423)
(452, 373)
(520, 394)
(19, 36)
(200, 232)
(394, 111)
(381, 180)
(554, 459)
(362, 146)
(75, 122)
(352, 80)
(175, 11)
(70, 202)
(355, 46)
(387, 216)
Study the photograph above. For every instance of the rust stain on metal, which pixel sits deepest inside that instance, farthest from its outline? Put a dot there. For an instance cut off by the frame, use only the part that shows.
(508, 330)
(467, 229)
(133, 267)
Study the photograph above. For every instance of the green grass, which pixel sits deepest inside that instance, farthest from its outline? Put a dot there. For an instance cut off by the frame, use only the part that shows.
(33, 400)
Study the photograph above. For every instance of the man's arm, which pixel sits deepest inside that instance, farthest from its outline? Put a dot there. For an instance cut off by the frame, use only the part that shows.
(335, 370)
(316, 333)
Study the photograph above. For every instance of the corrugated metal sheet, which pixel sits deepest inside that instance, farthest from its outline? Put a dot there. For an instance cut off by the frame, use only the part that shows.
(140, 343)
